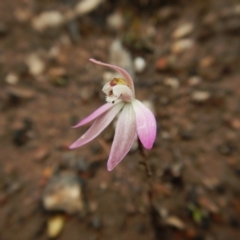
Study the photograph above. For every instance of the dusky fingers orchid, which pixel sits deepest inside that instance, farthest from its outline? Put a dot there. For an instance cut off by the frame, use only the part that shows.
(135, 119)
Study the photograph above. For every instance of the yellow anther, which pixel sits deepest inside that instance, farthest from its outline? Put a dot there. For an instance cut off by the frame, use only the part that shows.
(118, 81)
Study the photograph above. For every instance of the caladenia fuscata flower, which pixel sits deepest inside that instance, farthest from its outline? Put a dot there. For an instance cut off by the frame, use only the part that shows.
(135, 119)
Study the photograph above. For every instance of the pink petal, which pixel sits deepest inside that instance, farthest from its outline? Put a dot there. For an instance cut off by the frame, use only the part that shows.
(125, 135)
(94, 115)
(123, 72)
(146, 124)
(98, 126)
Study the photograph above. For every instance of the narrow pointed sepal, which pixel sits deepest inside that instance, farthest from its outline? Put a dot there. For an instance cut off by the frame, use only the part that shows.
(94, 115)
(98, 126)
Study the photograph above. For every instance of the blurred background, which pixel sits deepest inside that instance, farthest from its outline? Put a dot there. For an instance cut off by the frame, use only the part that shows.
(185, 59)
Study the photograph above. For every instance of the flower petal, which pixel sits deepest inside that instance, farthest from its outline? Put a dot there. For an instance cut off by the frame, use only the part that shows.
(98, 126)
(94, 115)
(146, 124)
(125, 135)
(123, 72)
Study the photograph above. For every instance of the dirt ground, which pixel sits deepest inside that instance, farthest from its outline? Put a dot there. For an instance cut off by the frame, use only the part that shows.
(192, 80)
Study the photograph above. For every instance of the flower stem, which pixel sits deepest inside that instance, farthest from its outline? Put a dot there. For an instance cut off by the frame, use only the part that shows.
(144, 161)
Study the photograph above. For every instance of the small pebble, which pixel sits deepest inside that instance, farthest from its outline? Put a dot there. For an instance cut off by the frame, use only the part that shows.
(63, 193)
(12, 79)
(115, 21)
(182, 45)
(87, 6)
(194, 81)
(183, 30)
(174, 221)
(172, 83)
(35, 64)
(48, 19)
(55, 226)
(139, 64)
(200, 96)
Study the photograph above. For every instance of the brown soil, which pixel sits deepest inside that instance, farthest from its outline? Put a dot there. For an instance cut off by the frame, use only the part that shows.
(194, 191)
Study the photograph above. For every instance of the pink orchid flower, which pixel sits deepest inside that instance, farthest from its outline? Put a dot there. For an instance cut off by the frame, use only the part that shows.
(134, 120)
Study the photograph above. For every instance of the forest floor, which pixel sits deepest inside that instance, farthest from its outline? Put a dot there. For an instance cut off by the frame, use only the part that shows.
(192, 82)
